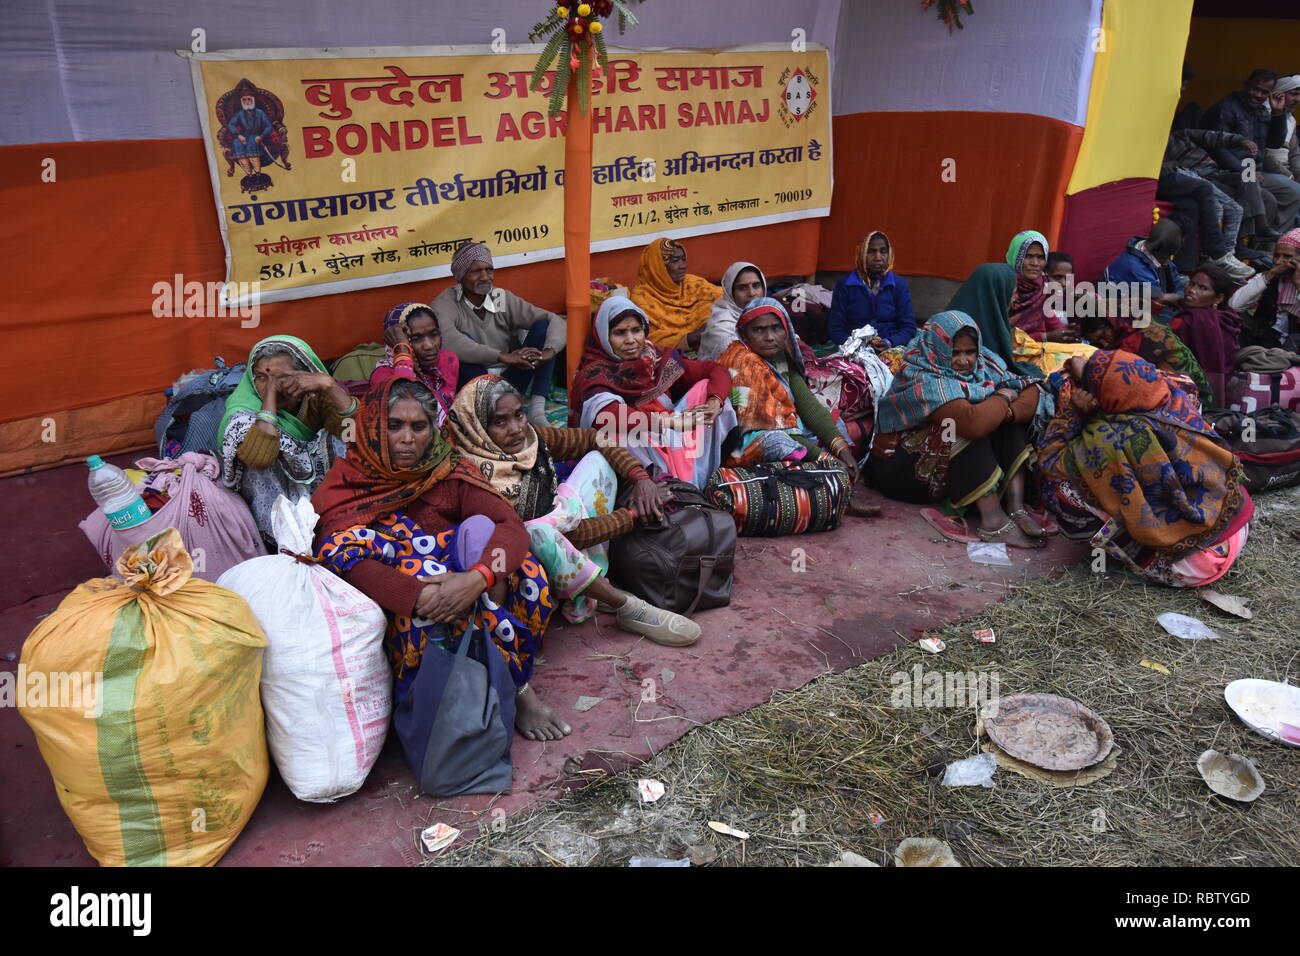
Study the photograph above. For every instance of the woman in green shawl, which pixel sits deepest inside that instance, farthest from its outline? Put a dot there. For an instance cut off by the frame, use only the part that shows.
(283, 426)
(986, 298)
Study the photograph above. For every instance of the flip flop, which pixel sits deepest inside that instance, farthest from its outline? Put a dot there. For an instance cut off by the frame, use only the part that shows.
(1044, 520)
(950, 526)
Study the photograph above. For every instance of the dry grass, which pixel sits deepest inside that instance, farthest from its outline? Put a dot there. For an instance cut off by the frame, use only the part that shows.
(803, 772)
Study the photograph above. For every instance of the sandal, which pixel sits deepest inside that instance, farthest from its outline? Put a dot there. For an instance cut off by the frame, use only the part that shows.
(1000, 535)
(1044, 519)
(950, 526)
(1038, 532)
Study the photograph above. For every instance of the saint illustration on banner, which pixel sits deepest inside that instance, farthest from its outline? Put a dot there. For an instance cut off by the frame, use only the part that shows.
(251, 132)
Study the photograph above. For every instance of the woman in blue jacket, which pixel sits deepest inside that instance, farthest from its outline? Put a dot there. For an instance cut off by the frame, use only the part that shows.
(873, 294)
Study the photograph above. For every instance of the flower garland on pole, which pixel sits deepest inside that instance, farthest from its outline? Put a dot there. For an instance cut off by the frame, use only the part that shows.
(575, 45)
(950, 11)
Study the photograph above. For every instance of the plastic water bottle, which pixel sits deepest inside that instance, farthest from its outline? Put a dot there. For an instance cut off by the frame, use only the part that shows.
(116, 495)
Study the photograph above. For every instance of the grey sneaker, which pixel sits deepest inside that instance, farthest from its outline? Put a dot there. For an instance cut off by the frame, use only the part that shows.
(662, 627)
(1234, 266)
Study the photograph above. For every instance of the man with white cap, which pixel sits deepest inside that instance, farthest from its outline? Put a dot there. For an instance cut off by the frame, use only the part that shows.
(483, 326)
(1282, 154)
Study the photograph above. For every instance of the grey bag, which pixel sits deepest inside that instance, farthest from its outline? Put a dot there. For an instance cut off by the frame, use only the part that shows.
(456, 723)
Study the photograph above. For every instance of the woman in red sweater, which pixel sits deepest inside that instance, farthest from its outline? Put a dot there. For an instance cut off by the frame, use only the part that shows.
(425, 537)
(672, 413)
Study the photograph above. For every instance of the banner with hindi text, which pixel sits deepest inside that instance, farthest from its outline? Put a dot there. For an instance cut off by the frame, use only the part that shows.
(344, 169)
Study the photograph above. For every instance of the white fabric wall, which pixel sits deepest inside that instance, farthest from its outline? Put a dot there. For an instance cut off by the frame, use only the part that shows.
(76, 70)
(1012, 56)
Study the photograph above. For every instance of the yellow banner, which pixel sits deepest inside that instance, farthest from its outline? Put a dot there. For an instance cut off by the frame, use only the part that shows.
(340, 170)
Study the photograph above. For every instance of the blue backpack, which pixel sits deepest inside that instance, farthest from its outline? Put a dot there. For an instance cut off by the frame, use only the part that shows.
(194, 411)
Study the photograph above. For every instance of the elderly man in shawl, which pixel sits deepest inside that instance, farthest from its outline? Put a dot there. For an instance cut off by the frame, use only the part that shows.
(429, 540)
(282, 428)
(482, 325)
(569, 522)
(952, 426)
(780, 418)
(677, 304)
(1273, 299)
(1129, 462)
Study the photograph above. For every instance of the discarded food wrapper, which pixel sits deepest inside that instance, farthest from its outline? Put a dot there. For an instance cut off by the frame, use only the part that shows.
(729, 831)
(1155, 666)
(650, 790)
(1225, 602)
(989, 552)
(985, 635)
(656, 861)
(877, 819)
(585, 703)
(1188, 628)
(974, 771)
(932, 644)
(438, 837)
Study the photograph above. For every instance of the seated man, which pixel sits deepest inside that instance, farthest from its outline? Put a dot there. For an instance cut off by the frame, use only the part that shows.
(1146, 273)
(1186, 175)
(1270, 302)
(482, 324)
(1282, 154)
(1247, 112)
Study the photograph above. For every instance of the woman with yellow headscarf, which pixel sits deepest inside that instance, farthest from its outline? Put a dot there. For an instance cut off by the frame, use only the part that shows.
(677, 304)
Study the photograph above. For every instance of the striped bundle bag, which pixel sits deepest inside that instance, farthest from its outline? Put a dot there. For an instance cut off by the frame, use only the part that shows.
(772, 499)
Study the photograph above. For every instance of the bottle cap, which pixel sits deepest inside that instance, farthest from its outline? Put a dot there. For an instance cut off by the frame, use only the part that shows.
(94, 461)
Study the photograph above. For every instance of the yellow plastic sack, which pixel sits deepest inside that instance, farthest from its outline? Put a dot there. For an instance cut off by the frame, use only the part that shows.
(1048, 356)
(148, 714)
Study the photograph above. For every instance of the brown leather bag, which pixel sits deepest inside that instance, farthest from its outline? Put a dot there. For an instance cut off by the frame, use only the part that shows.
(683, 564)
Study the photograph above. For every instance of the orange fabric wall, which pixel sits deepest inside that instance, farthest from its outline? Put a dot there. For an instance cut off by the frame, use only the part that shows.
(1011, 174)
(85, 251)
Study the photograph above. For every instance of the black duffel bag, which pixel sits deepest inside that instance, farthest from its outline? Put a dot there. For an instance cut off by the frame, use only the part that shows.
(686, 562)
(1272, 460)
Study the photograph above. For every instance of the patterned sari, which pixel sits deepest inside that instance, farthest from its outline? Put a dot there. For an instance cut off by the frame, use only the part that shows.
(1152, 473)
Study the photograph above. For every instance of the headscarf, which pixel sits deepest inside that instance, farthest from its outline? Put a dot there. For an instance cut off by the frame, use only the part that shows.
(1029, 295)
(928, 381)
(985, 297)
(526, 479)
(675, 309)
(638, 381)
(1285, 84)
(467, 255)
(366, 485)
(245, 398)
(860, 256)
(1214, 336)
(1149, 459)
(765, 401)
(1158, 345)
(1288, 296)
(439, 379)
(721, 328)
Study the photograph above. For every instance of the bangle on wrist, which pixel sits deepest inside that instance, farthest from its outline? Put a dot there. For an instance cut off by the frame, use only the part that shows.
(352, 409)
(484, 570)
(633, 513)
(269, 418)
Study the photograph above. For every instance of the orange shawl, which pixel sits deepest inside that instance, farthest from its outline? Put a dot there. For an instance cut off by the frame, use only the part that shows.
(675, 309)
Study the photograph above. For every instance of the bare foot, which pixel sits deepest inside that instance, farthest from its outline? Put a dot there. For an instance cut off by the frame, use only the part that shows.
(1012, 537)
(1028, 525)
(535, 720)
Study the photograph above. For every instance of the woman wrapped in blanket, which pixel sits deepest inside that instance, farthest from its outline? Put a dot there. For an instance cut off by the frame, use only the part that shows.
(677, 304)
(1154, 342)
(1129, 462)
(568, 522)
(431, 542)
(670, 412)
(1211, 332)
(1029, 306)
(780, 418)
(952, 426)
(282, 426)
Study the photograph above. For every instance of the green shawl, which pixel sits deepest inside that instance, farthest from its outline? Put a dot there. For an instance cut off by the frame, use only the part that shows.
(245, 398)
(986, 298)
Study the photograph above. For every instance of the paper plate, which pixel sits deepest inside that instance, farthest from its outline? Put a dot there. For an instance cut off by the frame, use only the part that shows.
(1048, 731)
(1264, 705)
